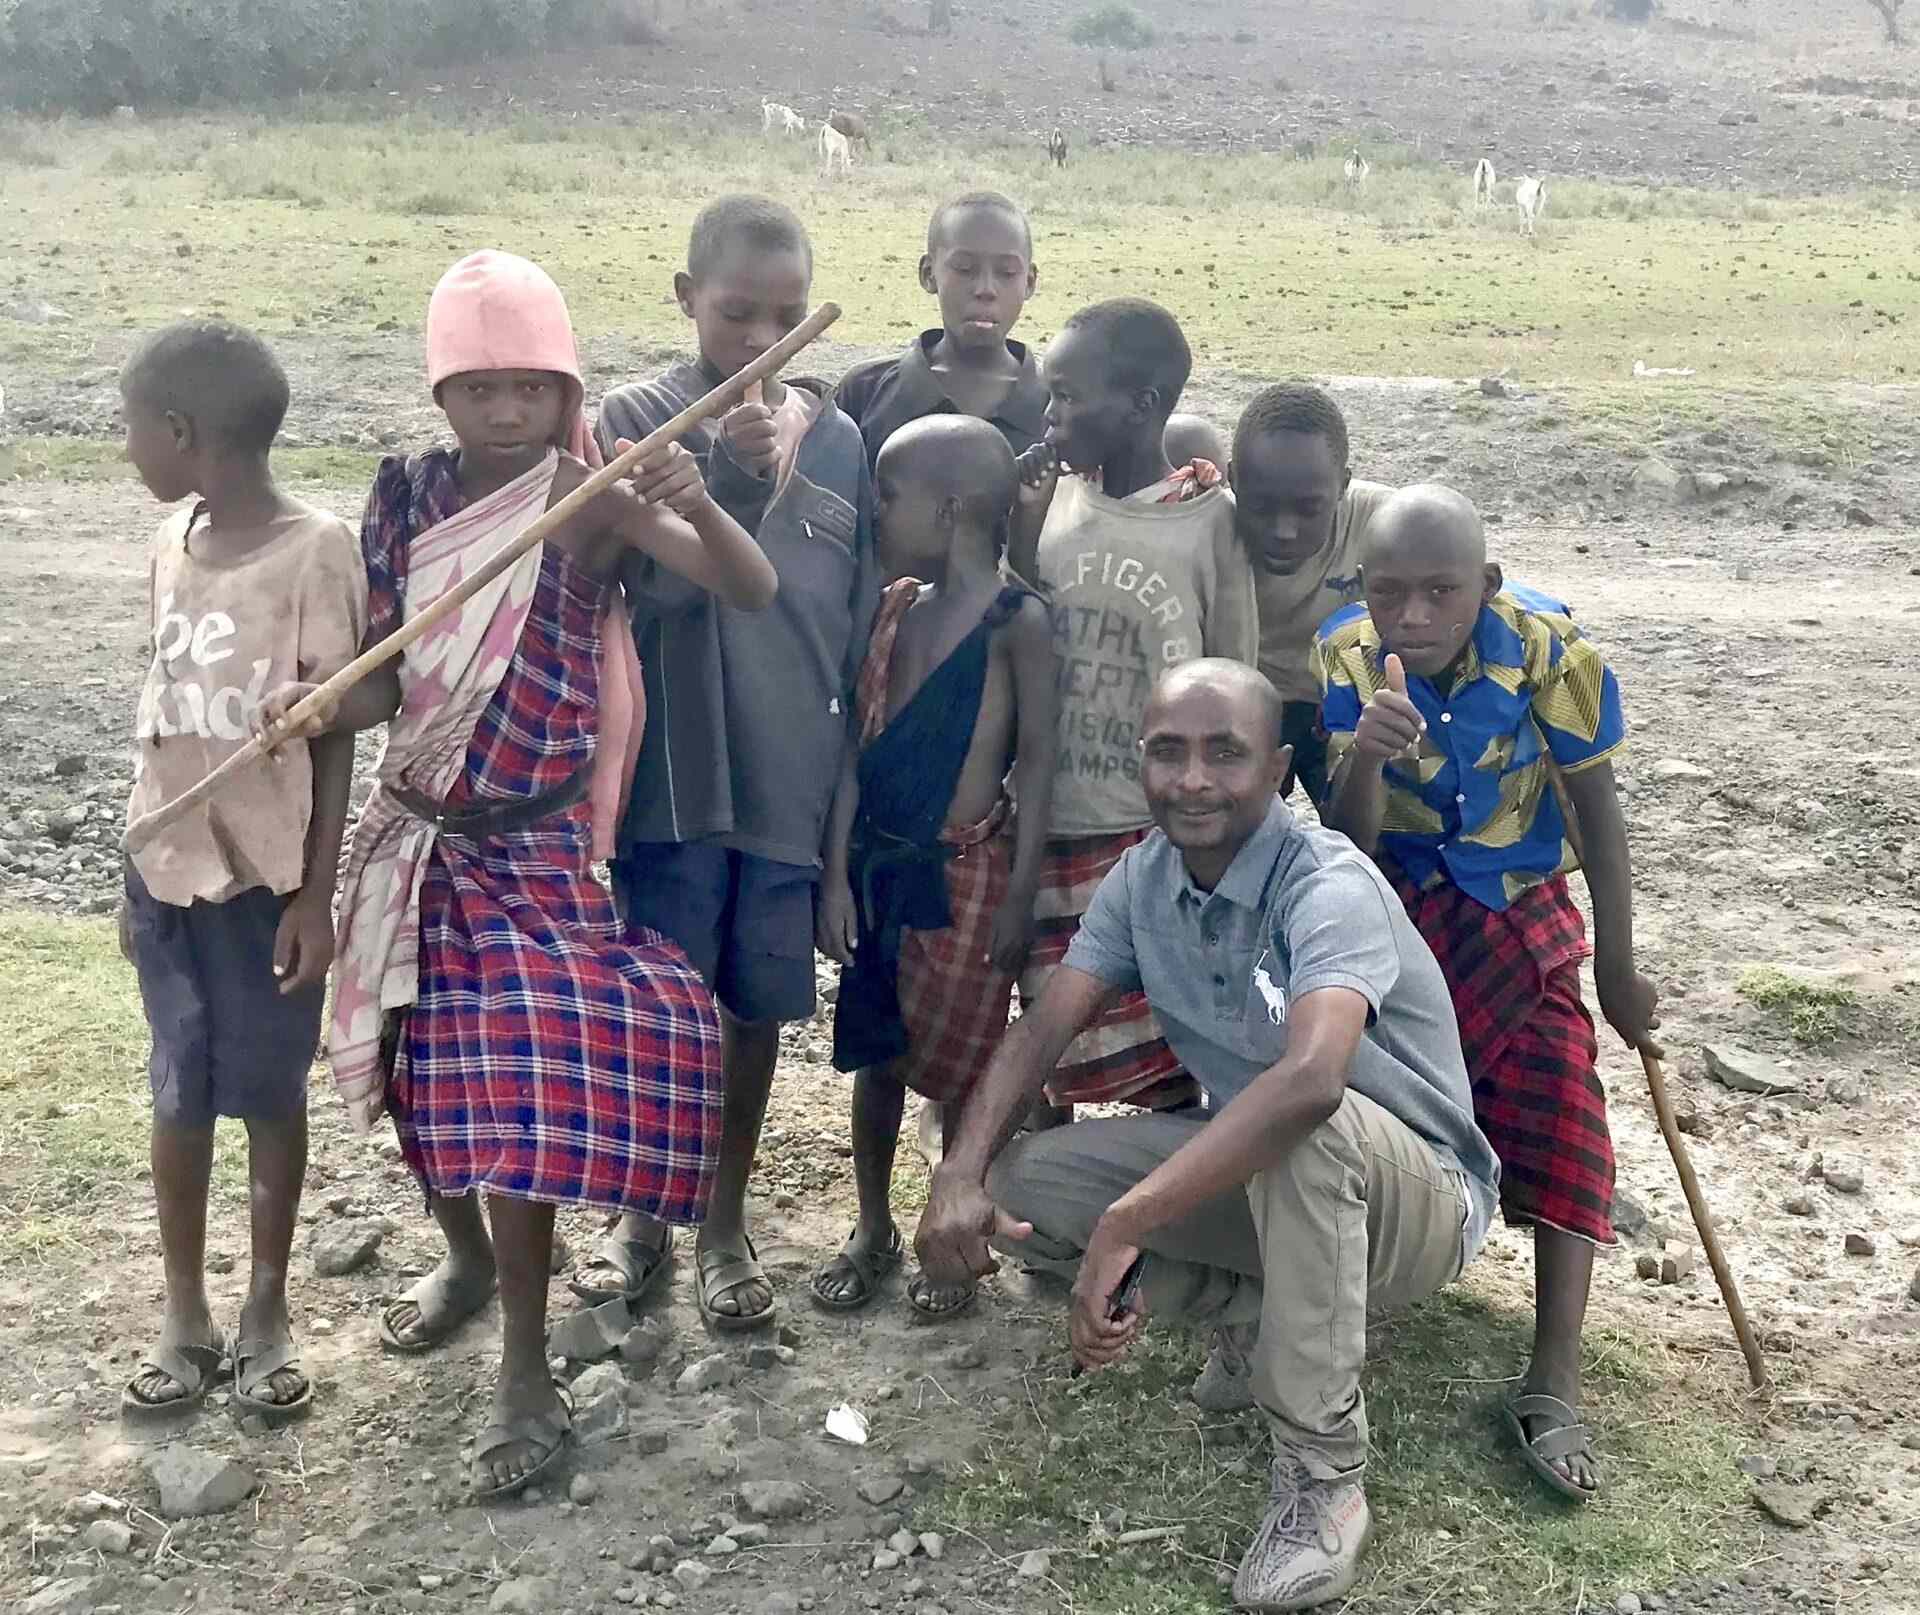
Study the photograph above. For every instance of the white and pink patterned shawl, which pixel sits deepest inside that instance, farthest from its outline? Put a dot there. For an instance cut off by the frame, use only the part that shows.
(448, 678)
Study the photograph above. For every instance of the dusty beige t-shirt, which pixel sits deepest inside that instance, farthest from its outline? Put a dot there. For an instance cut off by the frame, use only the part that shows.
(225, 633)
(1294, 604)
(1136, 588)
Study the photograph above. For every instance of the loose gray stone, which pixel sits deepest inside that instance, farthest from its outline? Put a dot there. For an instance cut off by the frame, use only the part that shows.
(879, 1490)
(774, 1499)
(113, 1537)
(1859, 1245)
(345, 1249)
(1800, 1205)
(591, 1335)
(721, 1546)
(1627, 1604)
(1913, 1289)
(933, 1545)
(1759, 1466)
(709, 1374)
(599, 1405)
(903, 1543)
(643, 1345)
(1035, 1566)
(1845, 1177)
(692, 1574)
(192, 1482)
(1790, 1505)
(1746, 1072)
(582, 1490)
(525, 1595)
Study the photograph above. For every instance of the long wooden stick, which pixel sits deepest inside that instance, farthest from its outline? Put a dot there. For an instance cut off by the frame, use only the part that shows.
(148, 825)
(1703, 1221)
(1670, 1131)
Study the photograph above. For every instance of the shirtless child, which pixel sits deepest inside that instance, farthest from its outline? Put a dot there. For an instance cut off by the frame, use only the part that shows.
(928, 895)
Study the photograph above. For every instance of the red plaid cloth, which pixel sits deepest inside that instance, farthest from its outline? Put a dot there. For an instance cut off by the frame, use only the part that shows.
(548, 1056)
(1121, 1057)
(954, 1003)
(1531, 1054)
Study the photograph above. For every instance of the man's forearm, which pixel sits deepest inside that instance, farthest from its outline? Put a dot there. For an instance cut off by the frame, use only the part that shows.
(998, 1104)
(1358, 805)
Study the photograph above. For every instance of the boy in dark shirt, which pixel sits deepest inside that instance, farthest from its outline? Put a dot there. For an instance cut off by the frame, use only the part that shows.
(979, 263)
(747, 715)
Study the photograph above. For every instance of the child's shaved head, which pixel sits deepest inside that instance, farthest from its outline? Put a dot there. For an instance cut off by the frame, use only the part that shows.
(1142, 343)
(1428, 521)
(757, 222)
(957, 457)
(220, 376)
(1426, 576)
(940, 226)
(1194, 437)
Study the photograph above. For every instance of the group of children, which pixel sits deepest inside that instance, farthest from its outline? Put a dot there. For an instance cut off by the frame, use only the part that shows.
(856, 667)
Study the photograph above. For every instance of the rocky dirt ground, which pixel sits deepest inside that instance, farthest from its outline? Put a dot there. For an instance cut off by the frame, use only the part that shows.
(1759, 596)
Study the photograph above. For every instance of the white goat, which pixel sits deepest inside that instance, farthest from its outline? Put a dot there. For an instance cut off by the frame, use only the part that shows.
(1530, 197)
(772, 112)
(834, 148)
(1356, 168)
(1483, 183)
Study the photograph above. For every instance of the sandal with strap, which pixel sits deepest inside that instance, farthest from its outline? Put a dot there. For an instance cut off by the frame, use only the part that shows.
(257, 1361)
(197, 1369)
(920, 1290)
(553, 1431)
(440, 1311)
(868, 1266)
(717, 1272)
(1564, 1437)
(639, 1264)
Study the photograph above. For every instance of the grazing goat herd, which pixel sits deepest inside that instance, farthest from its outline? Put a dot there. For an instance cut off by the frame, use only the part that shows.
(841, 132)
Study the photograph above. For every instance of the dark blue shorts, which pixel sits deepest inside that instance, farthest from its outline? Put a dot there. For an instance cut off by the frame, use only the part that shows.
(226, 1041)
(746, 922)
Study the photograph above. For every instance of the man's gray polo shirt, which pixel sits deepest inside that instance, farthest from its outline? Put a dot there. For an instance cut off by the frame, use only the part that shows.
(1298, 909)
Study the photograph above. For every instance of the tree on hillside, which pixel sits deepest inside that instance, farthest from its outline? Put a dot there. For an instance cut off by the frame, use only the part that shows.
(1890, 15)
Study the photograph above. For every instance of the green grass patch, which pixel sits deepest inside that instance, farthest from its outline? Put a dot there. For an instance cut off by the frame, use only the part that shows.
(1815, 1012)
(1272, 264)
(89, 459)
(1458, 1521)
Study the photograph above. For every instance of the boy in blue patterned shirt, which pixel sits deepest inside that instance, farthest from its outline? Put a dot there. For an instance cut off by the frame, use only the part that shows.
(1458, 711)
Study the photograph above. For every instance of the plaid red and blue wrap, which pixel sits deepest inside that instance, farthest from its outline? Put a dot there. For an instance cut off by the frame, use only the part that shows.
(547, 1056)
(1514, 975)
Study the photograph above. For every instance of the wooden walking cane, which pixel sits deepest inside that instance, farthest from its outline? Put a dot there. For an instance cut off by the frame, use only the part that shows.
(1682, 1162)
(750, 378)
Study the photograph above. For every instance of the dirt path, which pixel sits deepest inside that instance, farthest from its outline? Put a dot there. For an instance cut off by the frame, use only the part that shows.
(1770, 680)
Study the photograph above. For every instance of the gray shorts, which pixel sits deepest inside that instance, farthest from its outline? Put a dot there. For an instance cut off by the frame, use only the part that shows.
(226, 1041)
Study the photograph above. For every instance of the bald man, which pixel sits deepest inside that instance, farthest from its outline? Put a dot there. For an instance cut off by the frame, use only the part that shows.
(1337, 1168)
(1458, 709)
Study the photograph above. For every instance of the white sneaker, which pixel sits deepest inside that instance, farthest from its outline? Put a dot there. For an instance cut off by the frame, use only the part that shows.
(1225, 1385)
(1307, 1551)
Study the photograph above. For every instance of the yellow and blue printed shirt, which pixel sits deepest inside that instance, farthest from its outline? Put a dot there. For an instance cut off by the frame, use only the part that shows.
(1476, 806)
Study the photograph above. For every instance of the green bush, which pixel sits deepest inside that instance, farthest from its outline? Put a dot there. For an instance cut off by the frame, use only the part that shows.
(90, 55)
(1116, 25)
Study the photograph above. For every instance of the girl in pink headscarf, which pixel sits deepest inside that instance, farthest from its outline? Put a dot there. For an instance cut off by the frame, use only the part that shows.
(486, 997)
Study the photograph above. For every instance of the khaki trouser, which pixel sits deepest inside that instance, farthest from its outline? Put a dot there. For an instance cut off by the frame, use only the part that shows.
(1360, 1216)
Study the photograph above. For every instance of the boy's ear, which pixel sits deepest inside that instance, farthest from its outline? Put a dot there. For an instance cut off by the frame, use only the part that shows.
(1495, 582)
(1232, 487)
(1146, 404)
(683, 292)
(1346, 479)
(926, 275)
(182, 428)
(1033, 278)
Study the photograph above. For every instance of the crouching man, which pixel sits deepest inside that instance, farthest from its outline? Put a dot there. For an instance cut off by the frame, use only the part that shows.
(1337, 1169)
